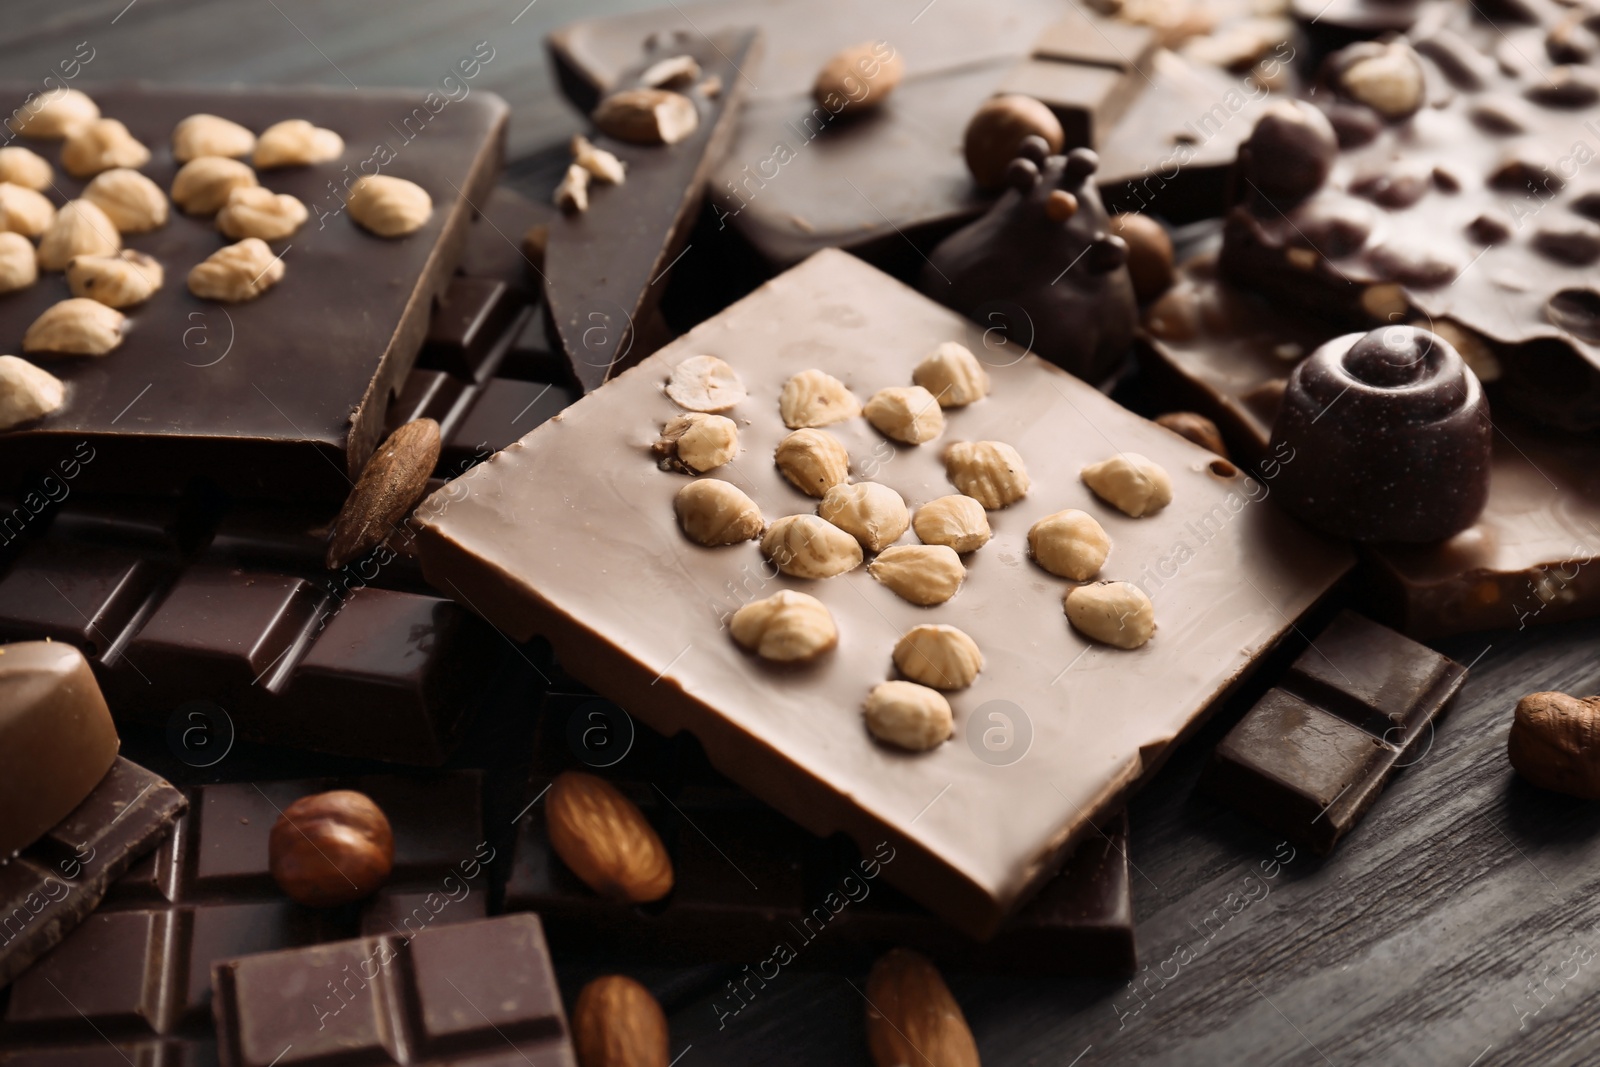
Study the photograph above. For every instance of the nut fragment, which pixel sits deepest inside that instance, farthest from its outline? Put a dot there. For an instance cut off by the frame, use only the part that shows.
(19, 266)
(647, 116)
(858, 78)
(909, 715)
(813, 460)
(1194, 427)
(673, 73)
(1555, 743)
(1069, 544)
(331, 848)
(922, 574)
(201, 186)
(236, 273)
(76, 327)
(210, 135)
(953, 375)
(296, 143)
(572, 195)
(54, 114)
(101, 145)
(713, 512)
(617, 1023)
(597, 161)
(991, 472)
(873, 514)
(1130, 483)
(24, 167)
(24, 211)
(905, 413)
(787, 627)
(697, 442)
(912, 1020)
(705, 383)
(605, 840)
(1117, 613)
(389, 486)
(120, 280)
(941, 656)
(27, 392)
(957, 521)
(804, 546)
(389, 207)
(252, 211)
(816, 398)
(132, 202)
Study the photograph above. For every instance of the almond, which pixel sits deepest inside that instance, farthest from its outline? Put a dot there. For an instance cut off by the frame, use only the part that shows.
(647, 116)
(132, 202)
(210, 135)
(858, 78)
(1555, 743)
(605, 840)
(296, 143)
(617, 1023)
(390, 485)
(27, 392)
(912, 1020)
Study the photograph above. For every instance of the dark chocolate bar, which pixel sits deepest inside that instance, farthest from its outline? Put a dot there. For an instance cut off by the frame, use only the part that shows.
(1087, 69)
(1310, 758)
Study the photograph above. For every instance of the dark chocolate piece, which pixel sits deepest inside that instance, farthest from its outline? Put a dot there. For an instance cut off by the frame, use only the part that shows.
(52, 885)
(1087, 69)
(282, 396)
(1314, 753)
(473, 315)
(471, 993)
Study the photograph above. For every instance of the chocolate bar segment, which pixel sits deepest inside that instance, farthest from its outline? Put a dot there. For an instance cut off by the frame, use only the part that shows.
(1312, 756)
(1087, 69)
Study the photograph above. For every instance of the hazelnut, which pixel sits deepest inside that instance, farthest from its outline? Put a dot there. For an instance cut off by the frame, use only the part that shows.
(647, 116)
(252, 211)
(996, 132)
(713, 512)
(697, 442)
(132, 202)
(1149, 253)
(120, 280)
(605, 840)
(1069, 544)
(1116, 613)
(210, 135)
(804, 546)
(1387, 78)
(787, 627)
(705, 383)
(905, 413)
(1196, 428)
(909, 715)
(296, 143)
(1130, 483)
(237, 272)
(922, 574)
(331, 848)
(675, 72)
(990, 472)
(27, 392)
(201, 186)
(600, 164)
(815, 398)
(52, 115)
(939, 656)
(953, 375)
(389, 207)
(957, 521)
(873, 514)
(1555, 743)
(813, 460)
(24, 167)
(102, 145)
(19, 266)
(617, 1023)
(76, 327)
(858, 78)
(24, 211)
(572, 195)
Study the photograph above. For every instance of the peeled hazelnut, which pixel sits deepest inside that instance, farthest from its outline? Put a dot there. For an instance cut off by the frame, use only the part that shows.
(953, 375)
(939, 656)
(296, 143)
(1386, 77)
(991, 472)
(572, 195)
(617, 1023)
(102, 145)
(76, 327)
(201, 186)
(605, 840)
(996, 132)
(647, 116)
(237, 272)
(389, 207)
(804, 546)
(713, 512)
(599, 163)
(1150, 253)
(132, 202)
(697, 442)
(922, 574)
(1116, 613)
(252, 211)
(675, 72)
(813, 460)
(27, 392)
(24, 167)
(873, 514)
(210, 135)
(1555, 743)
(1069, 544)
(705, 383)
(956, 521)
(54, 114)
(331, 848)
(858, 78)
(24, 211)
(909, 715)
(912, 1020)
(1130, 483)
(120, 280)
(815, 398)
(19, 265)
(787, 627)
(1197, 428)
(905, 413)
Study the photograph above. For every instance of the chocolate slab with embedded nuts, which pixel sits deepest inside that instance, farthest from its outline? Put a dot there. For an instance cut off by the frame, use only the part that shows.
(1312, 756)
(637, 612)
(471, 993)
(283, 396)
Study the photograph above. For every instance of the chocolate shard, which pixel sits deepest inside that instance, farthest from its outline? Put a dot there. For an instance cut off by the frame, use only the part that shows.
(605, 267)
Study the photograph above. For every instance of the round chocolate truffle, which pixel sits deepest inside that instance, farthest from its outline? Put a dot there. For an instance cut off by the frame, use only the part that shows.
(1388, 438)
(1290, 152)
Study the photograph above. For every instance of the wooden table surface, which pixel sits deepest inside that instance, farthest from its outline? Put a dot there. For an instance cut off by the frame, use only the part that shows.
(1459, 925)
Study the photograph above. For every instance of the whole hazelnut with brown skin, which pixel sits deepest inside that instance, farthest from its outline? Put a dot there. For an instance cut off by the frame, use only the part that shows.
(331, 848)
(1555, 743)
(1149, 253)
(996, 131)
(1194, 427)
